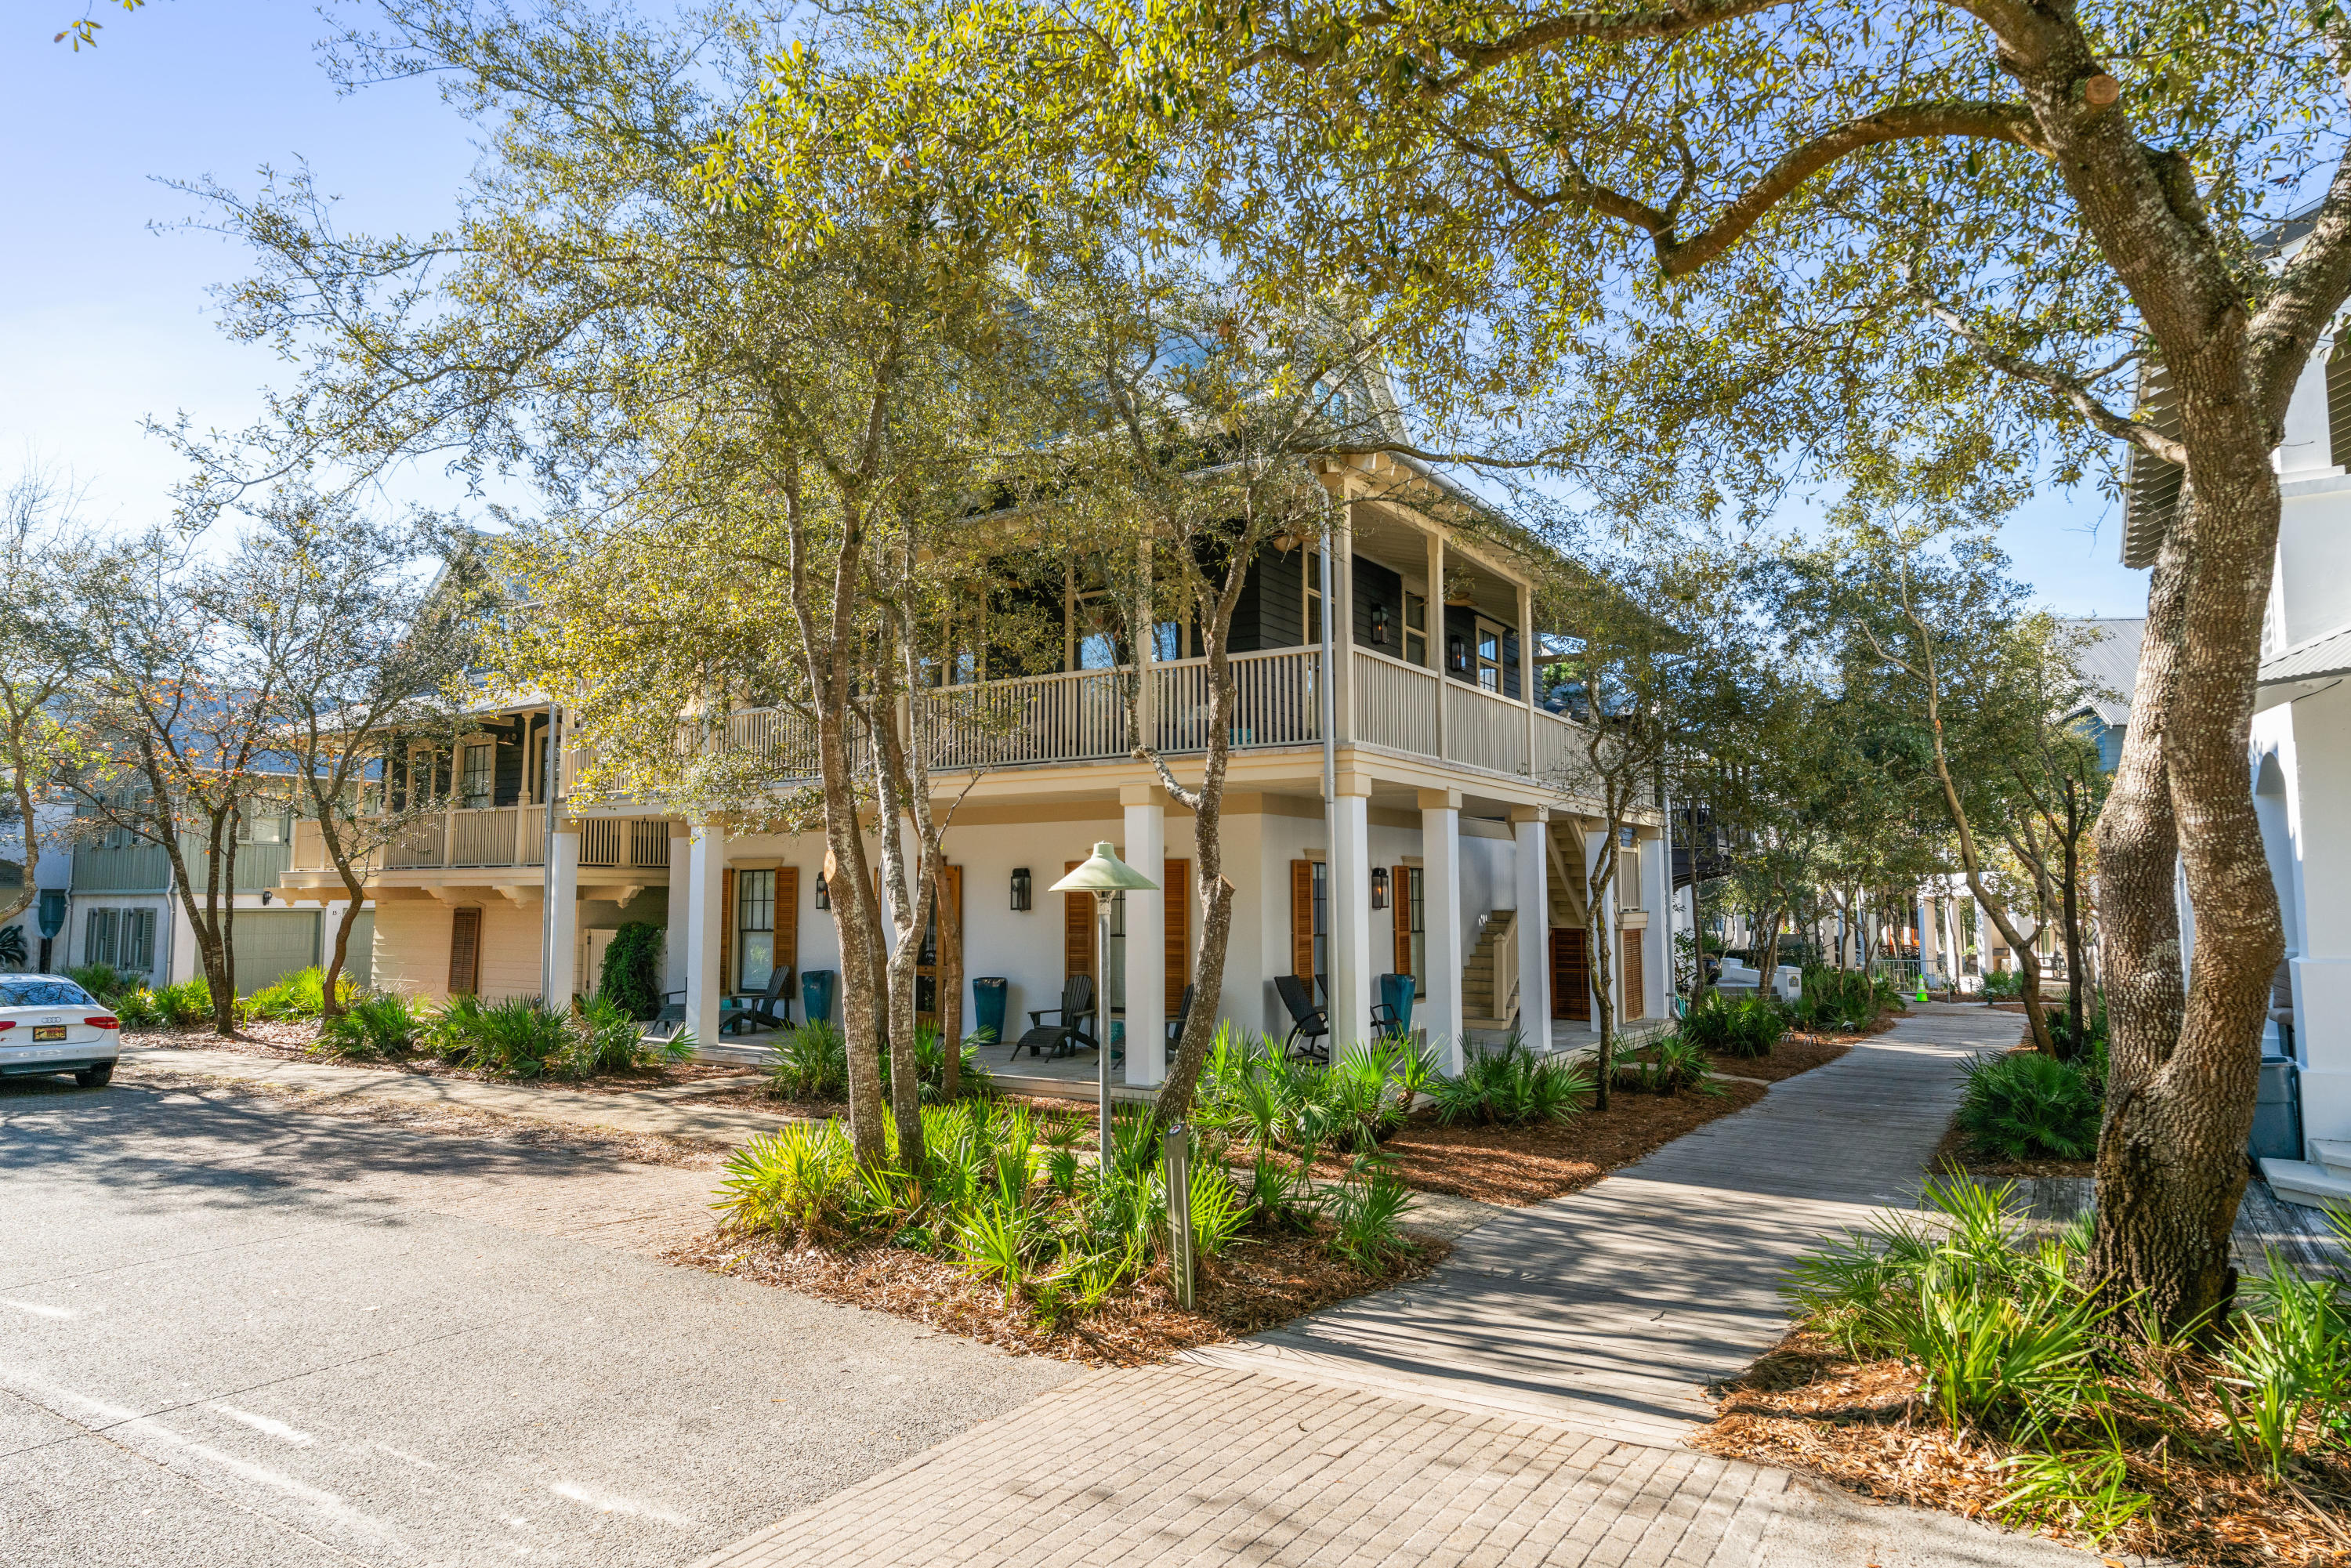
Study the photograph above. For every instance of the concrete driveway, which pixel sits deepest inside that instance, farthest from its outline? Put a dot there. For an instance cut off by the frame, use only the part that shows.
(235, 1335)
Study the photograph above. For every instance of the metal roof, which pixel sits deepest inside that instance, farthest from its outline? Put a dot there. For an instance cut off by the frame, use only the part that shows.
(2109, 658)
(2312, 659)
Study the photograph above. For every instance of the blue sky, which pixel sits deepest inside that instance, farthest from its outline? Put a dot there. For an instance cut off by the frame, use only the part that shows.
(103, 322)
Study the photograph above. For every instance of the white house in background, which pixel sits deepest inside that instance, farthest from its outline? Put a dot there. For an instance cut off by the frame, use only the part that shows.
(1448, 851)
(51, 882)
(2300, 760)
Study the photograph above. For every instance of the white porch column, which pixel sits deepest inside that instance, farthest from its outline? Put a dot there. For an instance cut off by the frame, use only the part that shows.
(705, 915)
(1350, 911)
(1433, 613)
(674, 943)
(558, 974)
(1147, 935)
(1534, 926)
(1930, 935)
(1440, 894)
(2321, 973)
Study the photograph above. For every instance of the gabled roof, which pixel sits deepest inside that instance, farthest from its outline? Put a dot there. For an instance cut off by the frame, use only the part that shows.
(2312, 658)
(2109, 658)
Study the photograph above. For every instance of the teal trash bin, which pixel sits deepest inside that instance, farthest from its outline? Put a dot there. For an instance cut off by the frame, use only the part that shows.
(816, 995)
(1396, 993)
(989, 993)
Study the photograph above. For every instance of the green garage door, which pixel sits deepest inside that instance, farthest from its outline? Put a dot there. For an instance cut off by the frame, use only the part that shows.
(271, 943)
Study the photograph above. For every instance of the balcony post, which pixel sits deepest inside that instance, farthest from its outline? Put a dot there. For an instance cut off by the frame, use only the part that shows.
(1527, 667)
(1440, 885)
(1436, 644)
(1147, 935)
(449, 829)
(705, 915)
(1341, 615)
(1534, 926)
(675, 945)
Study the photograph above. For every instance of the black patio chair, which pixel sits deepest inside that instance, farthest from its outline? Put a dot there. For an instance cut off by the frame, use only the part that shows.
(1175, 1024)
(1077, 1009)
(771, 1008)
(1309, 1025)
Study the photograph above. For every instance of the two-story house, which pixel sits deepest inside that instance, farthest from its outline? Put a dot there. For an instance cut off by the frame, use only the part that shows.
(1447, 845)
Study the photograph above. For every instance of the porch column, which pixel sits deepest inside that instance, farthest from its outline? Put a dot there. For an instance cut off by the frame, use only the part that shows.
(1350, 911)
(705, 916)
(1930, 936)
(674, 943)
(1534, 926)
(1440, 892)
(1527, 693)
(1341, 612)
(558, 972)
(1147, 935)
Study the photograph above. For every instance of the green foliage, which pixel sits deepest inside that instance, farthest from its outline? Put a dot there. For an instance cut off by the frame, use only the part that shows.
(103, 981)
(374, 1027)
(2094, 1029)
(2022, 1105)
(521, 1037)
(1664, 1066)
(2003, 985)
(300, 995)
(1743, 1027)
(630, 977)
(809, 1063)
(2087, 1490)
(1510, 1087)
(1846, 999)
(2288, 1360)
(1364, 1211)
(187, 1004)
(1250, 1090)
(137, 1008)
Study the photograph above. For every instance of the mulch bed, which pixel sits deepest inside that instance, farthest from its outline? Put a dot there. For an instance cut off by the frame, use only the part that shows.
(1955, 1153)
(1796, 1053)
(1805, 1407)
(1256, 1284)
(291, 1040)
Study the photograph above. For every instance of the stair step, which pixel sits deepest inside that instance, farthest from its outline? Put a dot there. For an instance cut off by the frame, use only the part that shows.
(2299, 1181)
(2333, 1154)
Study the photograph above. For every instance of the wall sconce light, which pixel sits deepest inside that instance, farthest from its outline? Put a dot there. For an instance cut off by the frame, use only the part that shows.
(1380, 625)
(265, 895)
(1020, 886)
(1457, 653)
(1379, 887)
(823, 895)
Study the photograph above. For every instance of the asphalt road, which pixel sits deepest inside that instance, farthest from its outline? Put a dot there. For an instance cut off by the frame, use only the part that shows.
(232, 1333)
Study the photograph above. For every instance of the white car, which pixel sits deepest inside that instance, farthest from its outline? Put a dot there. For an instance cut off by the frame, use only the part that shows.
(49, 1024)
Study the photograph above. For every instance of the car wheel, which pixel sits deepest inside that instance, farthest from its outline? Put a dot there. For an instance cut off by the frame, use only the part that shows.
(97, 1077)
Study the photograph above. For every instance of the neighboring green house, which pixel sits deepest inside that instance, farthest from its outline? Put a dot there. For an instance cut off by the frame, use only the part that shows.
(123, 910)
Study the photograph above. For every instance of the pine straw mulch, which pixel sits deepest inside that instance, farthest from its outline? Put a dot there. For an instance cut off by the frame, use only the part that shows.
(291, 1040)
(441, 1121)
(1805, 1405)
(1956, 1154)
(1796, 1053)
(1257, 1283)
(1519, 1166)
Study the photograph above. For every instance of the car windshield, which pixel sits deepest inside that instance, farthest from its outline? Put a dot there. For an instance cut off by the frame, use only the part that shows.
(42, 994)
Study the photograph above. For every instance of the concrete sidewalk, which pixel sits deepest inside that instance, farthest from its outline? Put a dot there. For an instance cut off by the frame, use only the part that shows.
(1523, 1405)
(667, 1113)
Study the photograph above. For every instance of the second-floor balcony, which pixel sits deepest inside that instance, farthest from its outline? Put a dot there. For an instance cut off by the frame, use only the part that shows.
(496, 838)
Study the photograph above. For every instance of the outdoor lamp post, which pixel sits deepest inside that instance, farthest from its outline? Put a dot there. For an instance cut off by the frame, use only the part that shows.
(1104, 875)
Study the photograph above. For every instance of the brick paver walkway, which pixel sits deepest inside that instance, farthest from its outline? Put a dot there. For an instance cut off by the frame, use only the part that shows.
(1521, 1406)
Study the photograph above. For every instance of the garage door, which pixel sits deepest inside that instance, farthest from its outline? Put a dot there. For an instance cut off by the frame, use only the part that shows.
(271, 943)
(359, 963)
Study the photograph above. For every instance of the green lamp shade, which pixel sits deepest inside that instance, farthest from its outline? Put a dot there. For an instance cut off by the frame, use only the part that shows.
(1104, 871)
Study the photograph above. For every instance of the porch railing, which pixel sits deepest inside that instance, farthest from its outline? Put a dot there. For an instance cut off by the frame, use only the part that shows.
(1484, 729)
(1395, 704)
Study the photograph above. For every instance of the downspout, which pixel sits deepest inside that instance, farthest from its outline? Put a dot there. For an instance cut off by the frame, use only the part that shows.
(1673, 958)
(553, 771)
(1330, 782)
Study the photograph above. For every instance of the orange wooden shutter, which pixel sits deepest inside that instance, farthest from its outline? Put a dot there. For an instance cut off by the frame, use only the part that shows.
(1571, 973)
(1635, 976)
(726, 930)
(465, 951)
(948, 980)
(1177, 880)
(788, 915)
(1400, 906)
(1301, 920)
(1077, 930)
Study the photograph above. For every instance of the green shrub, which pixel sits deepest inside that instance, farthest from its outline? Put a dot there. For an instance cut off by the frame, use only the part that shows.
(374, 1027)
(187, 1004)
(1846, 999)
(137, 1008)
(2022, 1105)
(515, 1038)
(1251, 1089)
(2288, 1359)
(1742, 1027)
(2003, 985)
(1665, 1066)
(810, 1062)
(1510, 1087)
(103, 981)
(2094, 1029)
(631, 979)
(300, 995)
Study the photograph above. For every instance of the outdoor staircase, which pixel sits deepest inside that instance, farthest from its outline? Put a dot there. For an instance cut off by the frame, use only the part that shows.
(1486, 994)
(2322, 1181)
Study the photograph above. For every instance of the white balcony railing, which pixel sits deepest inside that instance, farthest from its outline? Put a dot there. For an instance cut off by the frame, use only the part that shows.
(1485, 729)
(1395, 704)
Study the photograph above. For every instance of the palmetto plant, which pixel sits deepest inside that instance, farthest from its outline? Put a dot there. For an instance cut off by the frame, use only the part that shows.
(1511, 1087)
(2021, 1106)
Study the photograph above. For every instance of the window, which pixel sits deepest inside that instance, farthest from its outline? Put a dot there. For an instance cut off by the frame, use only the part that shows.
(138, 941)
(44, 993)
(99, 932)
(1416, 630)
(478, 777)
(755, 927)
(1628, 879)
(1489, 655)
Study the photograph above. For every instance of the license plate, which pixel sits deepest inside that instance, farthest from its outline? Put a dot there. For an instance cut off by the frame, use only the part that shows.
(42, 1032)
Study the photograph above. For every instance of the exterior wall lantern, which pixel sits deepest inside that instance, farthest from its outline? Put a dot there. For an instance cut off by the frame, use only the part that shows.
(823, 895)
(1380, 625)
(1457, 652)
(1020, 884)
(1379, 887)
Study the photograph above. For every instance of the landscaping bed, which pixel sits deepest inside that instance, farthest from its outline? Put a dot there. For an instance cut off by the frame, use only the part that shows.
(1253, 1285)
(1796, 1053)
(292, 1040)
